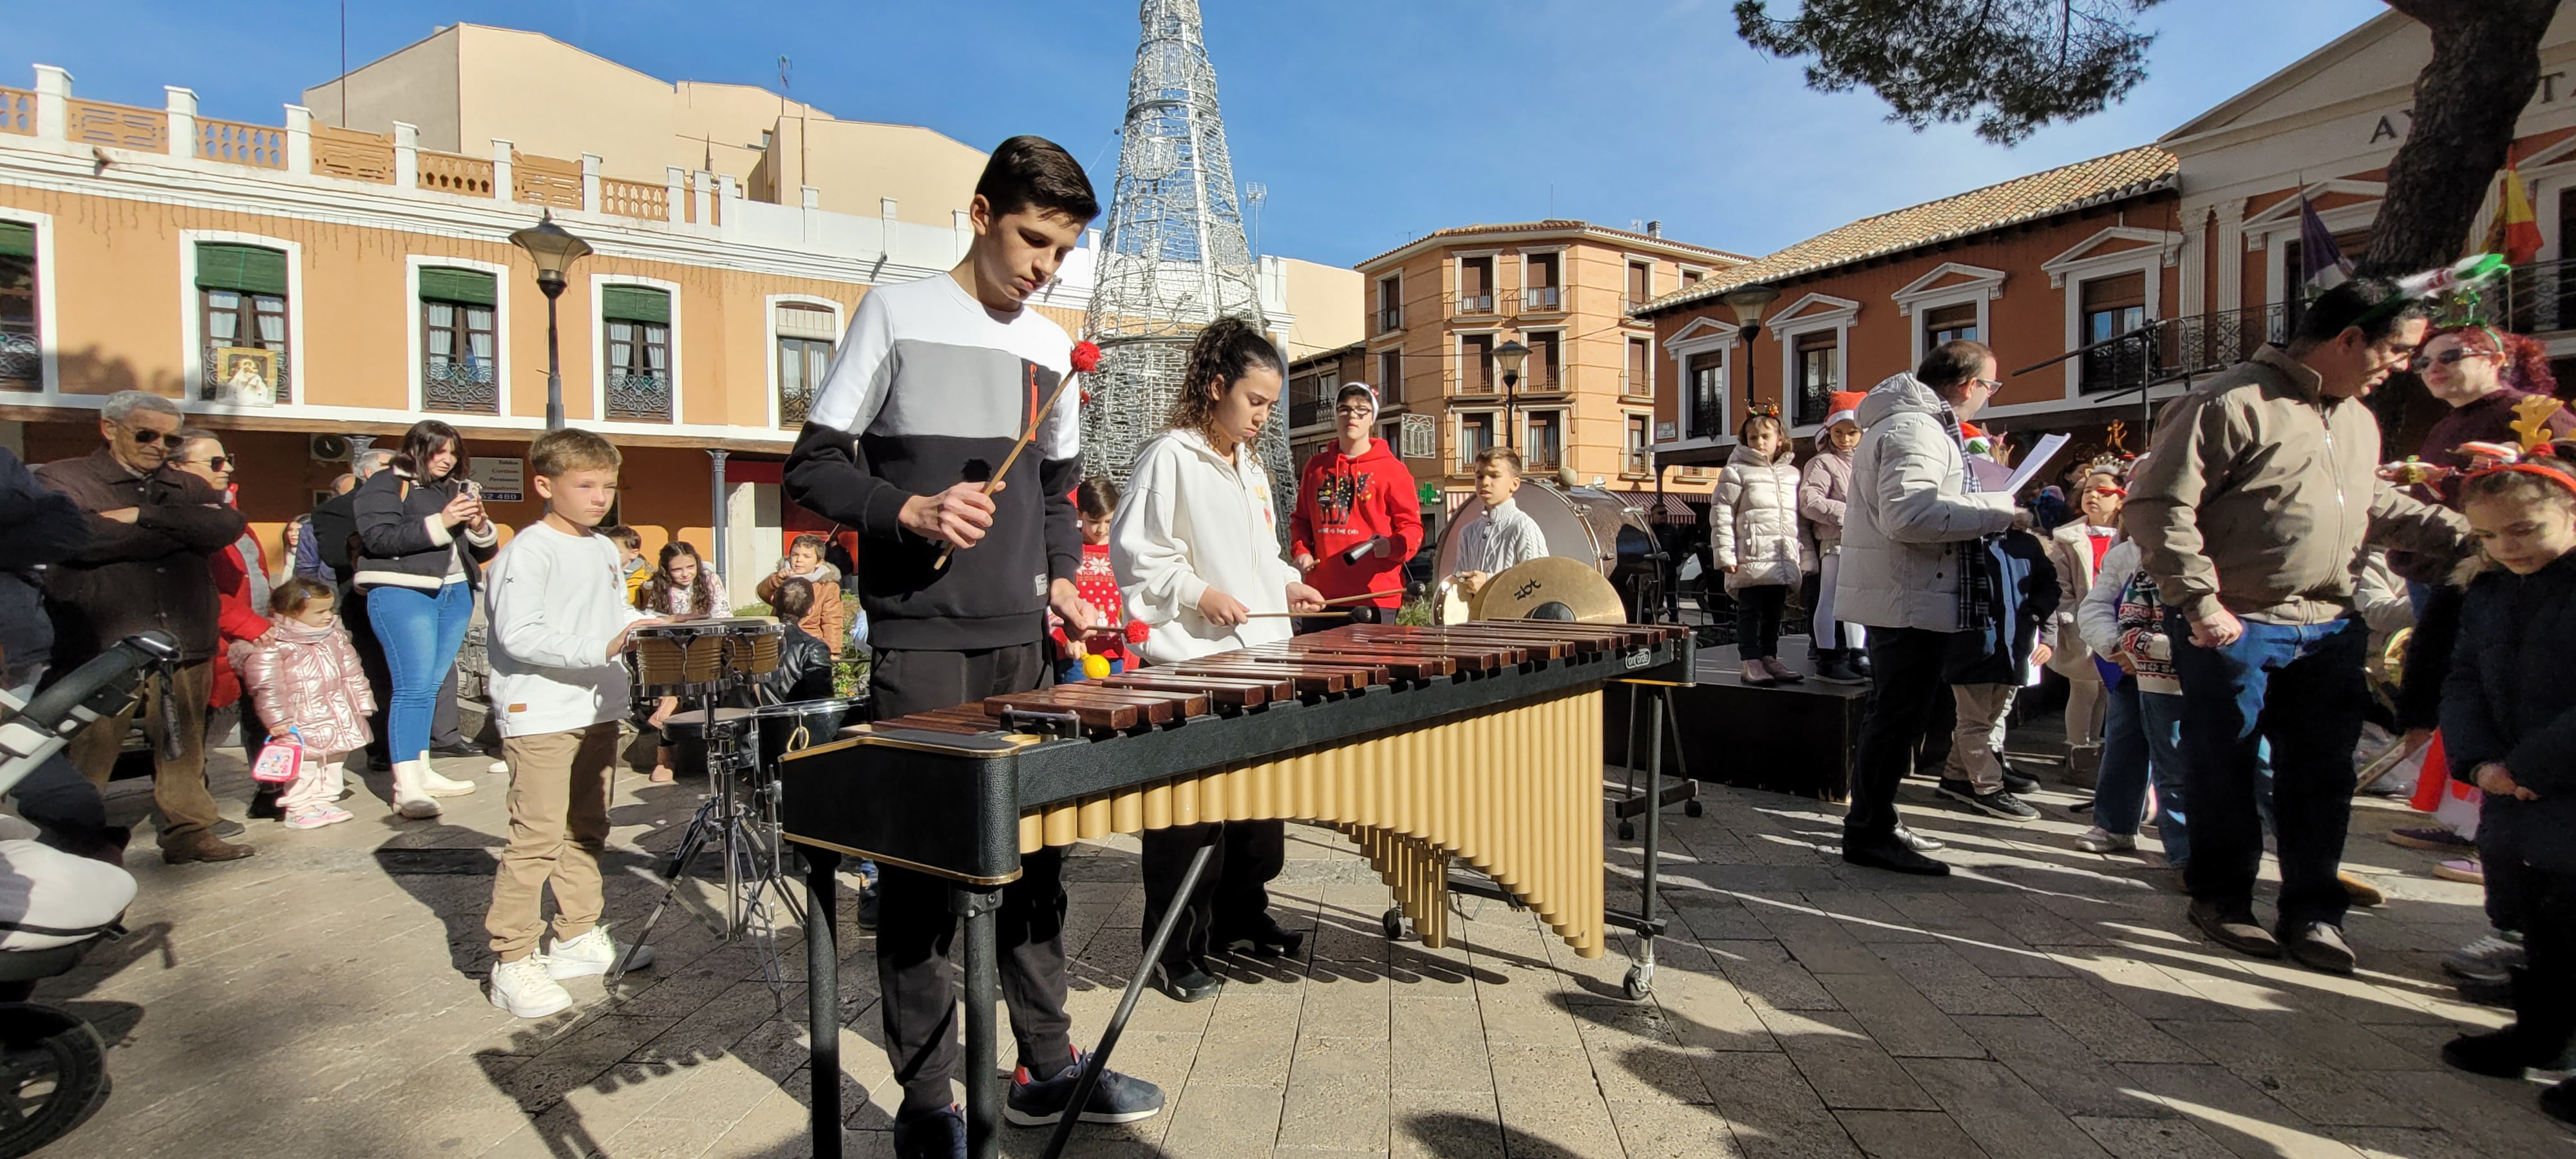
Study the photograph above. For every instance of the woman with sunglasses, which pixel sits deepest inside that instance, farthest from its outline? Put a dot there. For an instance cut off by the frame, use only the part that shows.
(242, 584)
(424, 538)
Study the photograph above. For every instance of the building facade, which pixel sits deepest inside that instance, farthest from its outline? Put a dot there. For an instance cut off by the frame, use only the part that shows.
(1585, 396)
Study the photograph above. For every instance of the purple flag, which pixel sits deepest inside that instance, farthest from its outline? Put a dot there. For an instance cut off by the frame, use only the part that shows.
(2321, 262)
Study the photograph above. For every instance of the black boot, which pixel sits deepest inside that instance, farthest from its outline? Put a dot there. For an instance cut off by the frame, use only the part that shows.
(2559, 1101)
(2542, 1022)
(1834, 666)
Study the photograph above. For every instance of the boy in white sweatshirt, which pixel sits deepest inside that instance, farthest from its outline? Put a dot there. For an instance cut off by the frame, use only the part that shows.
(559, 622)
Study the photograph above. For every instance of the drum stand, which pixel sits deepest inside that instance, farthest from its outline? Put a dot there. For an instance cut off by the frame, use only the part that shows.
(743, 822)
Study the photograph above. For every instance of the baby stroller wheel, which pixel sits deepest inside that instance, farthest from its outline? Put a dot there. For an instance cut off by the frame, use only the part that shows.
(53, 1073)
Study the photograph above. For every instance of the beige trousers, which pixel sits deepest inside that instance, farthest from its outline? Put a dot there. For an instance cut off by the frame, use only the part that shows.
(558, 825)
(1983, 709)
(178, 786)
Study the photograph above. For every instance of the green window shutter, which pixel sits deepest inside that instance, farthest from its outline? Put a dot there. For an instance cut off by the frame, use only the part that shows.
(472, 287)
(247, 268)
(17, 240)
(635, 304)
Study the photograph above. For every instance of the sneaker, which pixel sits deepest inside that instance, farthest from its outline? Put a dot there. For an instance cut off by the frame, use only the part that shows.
(2016, 781)
(592, 953)
(2435, 838)
(2234, 928)
(525, 989)
(941, 1134)
(2466, 869)
(333, 814)
(2490, 959)
(309, 818)
(498, 768)
(1894, 858)
(2359, 889)
(1998, 803)
(2100, 840)
(1117, 1098)
(1188, 984)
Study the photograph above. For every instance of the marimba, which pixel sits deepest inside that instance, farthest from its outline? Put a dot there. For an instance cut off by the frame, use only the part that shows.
(1478, 742)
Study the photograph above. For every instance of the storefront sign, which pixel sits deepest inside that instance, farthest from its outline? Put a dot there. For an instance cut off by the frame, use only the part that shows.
(502, 480)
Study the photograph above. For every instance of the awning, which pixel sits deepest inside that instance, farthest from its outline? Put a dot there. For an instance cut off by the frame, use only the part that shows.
(1669, 508)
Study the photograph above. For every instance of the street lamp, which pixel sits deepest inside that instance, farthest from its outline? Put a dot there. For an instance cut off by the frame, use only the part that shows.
(1749, 302)
(554, 249)
(1508, 356)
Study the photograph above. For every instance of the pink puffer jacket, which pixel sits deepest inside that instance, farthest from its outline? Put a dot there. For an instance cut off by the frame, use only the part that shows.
(308, 678)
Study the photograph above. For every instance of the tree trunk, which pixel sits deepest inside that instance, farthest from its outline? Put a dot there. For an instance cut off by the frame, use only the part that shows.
(2485, 68)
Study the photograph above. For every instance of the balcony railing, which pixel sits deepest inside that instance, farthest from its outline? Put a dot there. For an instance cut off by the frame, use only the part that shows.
(2539, 298)
(1639, 462)
(793, 402)
(117, 126)
(641, 397)
(22, 362)
(1541, 458)
(1465, 304)
(1707, 415)
(635, 199)
(2174, 347)
(545, 181)
(353, 155)
(467, 387)
(1306, 414)
(454, 173)
(1542, 299)
(258, 146)
(17, 111)
(1390, 319)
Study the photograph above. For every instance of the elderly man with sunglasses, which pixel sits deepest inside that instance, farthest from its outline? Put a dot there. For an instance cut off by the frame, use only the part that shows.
(153, 527)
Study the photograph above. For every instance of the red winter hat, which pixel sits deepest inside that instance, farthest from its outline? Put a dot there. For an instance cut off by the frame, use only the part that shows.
(1844, 403)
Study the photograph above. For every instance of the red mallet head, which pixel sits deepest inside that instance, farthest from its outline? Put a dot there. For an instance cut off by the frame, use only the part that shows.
(1086, 357)
(1137, 632)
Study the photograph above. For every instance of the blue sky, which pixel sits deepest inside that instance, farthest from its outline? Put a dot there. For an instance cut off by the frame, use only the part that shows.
(1371, 122)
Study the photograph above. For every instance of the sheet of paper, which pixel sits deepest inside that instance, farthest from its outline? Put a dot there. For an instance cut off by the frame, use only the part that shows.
(2038, 457)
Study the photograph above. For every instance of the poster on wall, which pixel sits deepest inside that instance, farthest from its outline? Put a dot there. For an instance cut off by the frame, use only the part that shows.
(502, 480)
(246, 376)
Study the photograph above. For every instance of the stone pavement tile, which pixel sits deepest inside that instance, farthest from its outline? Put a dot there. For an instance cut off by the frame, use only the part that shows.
(2172, 1138)
(1657, 1130)
(1223, 1121)
(672, 1138)
(1345, 1009)
(1846, 1068)
(1952, 983)
(1998, 1110)
(2039, 926)
(1250, 1041)
(2399, 1143)
(1338, 1095)
(1440, 1045)
(1444, 1125)
(2147, 989)
(2241, 1118)
(2109, 1030)
(1525, 1015)
(587, 1056)
(1705, 1010)
(1820, 943)
(2071, 1077)
(2000, 955)
(1908, 1135)
(1769, 977)
(2495, 1116)
(1868, 917)
(1711, 917)
(1770, 1107)
(2306, 1084)
(1599, 979)
(1898, 1017)
(1635, 1056)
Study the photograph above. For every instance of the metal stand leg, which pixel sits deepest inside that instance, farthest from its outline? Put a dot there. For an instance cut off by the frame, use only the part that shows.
(980, 906)
(1641, 975)
(1098, 1060)
(823, 998)
(701, 826)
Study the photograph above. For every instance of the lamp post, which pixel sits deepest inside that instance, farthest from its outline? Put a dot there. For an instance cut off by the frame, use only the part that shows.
(554, 250)
(1748, 302)
(1508, 356)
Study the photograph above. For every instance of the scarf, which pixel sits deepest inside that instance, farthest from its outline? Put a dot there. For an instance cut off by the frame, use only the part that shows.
(1977, 594)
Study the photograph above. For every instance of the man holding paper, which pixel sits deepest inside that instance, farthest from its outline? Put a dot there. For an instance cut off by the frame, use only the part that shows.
(1358, 517)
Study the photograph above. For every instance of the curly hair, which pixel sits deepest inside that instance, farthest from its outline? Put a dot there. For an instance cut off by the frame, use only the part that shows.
(1227, 350)
(655, 595)
(2526, 359)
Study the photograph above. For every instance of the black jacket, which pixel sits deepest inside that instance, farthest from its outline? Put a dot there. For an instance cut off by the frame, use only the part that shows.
(2026, 598)
(2511, 699)
(335, 534)
(804, 669)
(402, 542)
(140, 576)
(37, 527)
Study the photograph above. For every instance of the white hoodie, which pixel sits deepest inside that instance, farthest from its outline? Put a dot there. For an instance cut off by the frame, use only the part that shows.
(1194, 520)
(557, 600)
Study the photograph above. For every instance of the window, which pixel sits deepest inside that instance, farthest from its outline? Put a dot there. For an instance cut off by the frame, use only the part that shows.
(805, 335)
(241, 292)
(22, 364)
(1690, 278)
(1476, 285)
(1641, 278)
(1708, 396)
(1476, 364)
(1819, 374)
(1545, 367)
(1640, 379)
(638, 359)
(1539, 286)
(1390, 303)
(1390, 377)
(1950, 324)
(1546, 449)
(1639, 459)
(457, 368)
(2110, 307)
(1475, 434)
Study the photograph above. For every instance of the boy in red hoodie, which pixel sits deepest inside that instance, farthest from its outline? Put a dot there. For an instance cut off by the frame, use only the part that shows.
(1358, 518)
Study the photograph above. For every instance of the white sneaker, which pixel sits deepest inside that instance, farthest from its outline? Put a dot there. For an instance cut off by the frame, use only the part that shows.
(2100, 840)
(498, 768)
(438, 786)
(524, 988)
(592, 953)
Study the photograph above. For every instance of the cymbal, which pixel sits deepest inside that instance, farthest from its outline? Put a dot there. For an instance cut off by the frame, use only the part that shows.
(1551, 588)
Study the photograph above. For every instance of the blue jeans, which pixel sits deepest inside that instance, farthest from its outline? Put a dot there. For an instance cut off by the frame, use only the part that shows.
(2120, 787)
(2301, 688)
(420, 633)
(2160, 718)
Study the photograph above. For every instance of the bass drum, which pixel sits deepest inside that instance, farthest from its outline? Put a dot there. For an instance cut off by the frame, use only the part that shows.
(1590, 524)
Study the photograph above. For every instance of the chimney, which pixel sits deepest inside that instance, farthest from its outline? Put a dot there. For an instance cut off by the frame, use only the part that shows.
(1654, 229)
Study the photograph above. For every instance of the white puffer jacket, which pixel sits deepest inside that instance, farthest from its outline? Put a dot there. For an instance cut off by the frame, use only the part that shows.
(1908, 511)
(1753, 521)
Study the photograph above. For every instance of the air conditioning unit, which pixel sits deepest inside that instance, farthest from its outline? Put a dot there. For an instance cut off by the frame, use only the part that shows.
(328, 448)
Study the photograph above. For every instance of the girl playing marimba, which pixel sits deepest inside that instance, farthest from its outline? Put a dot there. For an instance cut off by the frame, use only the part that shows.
(1196, 550)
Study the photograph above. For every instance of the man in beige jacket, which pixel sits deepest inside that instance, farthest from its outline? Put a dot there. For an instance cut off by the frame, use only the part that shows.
(2252, 514)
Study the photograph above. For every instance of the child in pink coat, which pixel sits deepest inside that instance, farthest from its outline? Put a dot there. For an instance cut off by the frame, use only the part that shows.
(304, 676)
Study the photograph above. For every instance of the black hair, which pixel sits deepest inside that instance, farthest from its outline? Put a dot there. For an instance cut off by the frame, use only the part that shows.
(1227, 350)
(1953, 362)
(420, 444)
(1032, 172)
(2375, 306)
(1097, 498)
(792, 598)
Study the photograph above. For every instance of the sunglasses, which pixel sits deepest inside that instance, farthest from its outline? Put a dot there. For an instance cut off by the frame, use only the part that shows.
(144, 437)
(2451, 357)
(219, 462)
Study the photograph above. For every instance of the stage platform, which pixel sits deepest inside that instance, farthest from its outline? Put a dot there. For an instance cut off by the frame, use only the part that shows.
(1786, 738)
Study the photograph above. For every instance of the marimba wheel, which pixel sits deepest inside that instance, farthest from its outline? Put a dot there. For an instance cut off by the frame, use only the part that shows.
(1393, 921)
(1639, 983)
(1692, 808)
(1627, 831)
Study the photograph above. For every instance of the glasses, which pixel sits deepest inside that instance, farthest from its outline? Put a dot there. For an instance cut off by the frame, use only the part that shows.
(218, 462)
(142, 436)
(2451, 357)
(1356, 411)
(1989, 384)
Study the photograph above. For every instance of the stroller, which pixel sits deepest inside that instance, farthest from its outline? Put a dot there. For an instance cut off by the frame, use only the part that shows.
(53, 1065)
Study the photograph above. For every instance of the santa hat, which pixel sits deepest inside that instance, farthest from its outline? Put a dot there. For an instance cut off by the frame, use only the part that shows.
(1845, 403)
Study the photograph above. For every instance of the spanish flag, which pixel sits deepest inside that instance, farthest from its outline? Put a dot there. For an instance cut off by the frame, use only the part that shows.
(2515, 233)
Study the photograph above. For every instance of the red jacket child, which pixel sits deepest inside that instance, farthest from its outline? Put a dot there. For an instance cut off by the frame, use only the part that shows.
(1342, 502)
(1098, 587)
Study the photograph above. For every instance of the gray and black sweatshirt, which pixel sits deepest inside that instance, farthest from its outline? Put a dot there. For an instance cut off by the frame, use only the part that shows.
(930, 389)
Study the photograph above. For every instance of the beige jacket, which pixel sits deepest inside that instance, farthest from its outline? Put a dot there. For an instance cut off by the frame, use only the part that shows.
(2260, 494)
(2070, 547)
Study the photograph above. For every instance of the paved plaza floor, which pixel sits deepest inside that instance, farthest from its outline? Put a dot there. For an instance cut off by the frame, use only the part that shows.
(325, 999)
